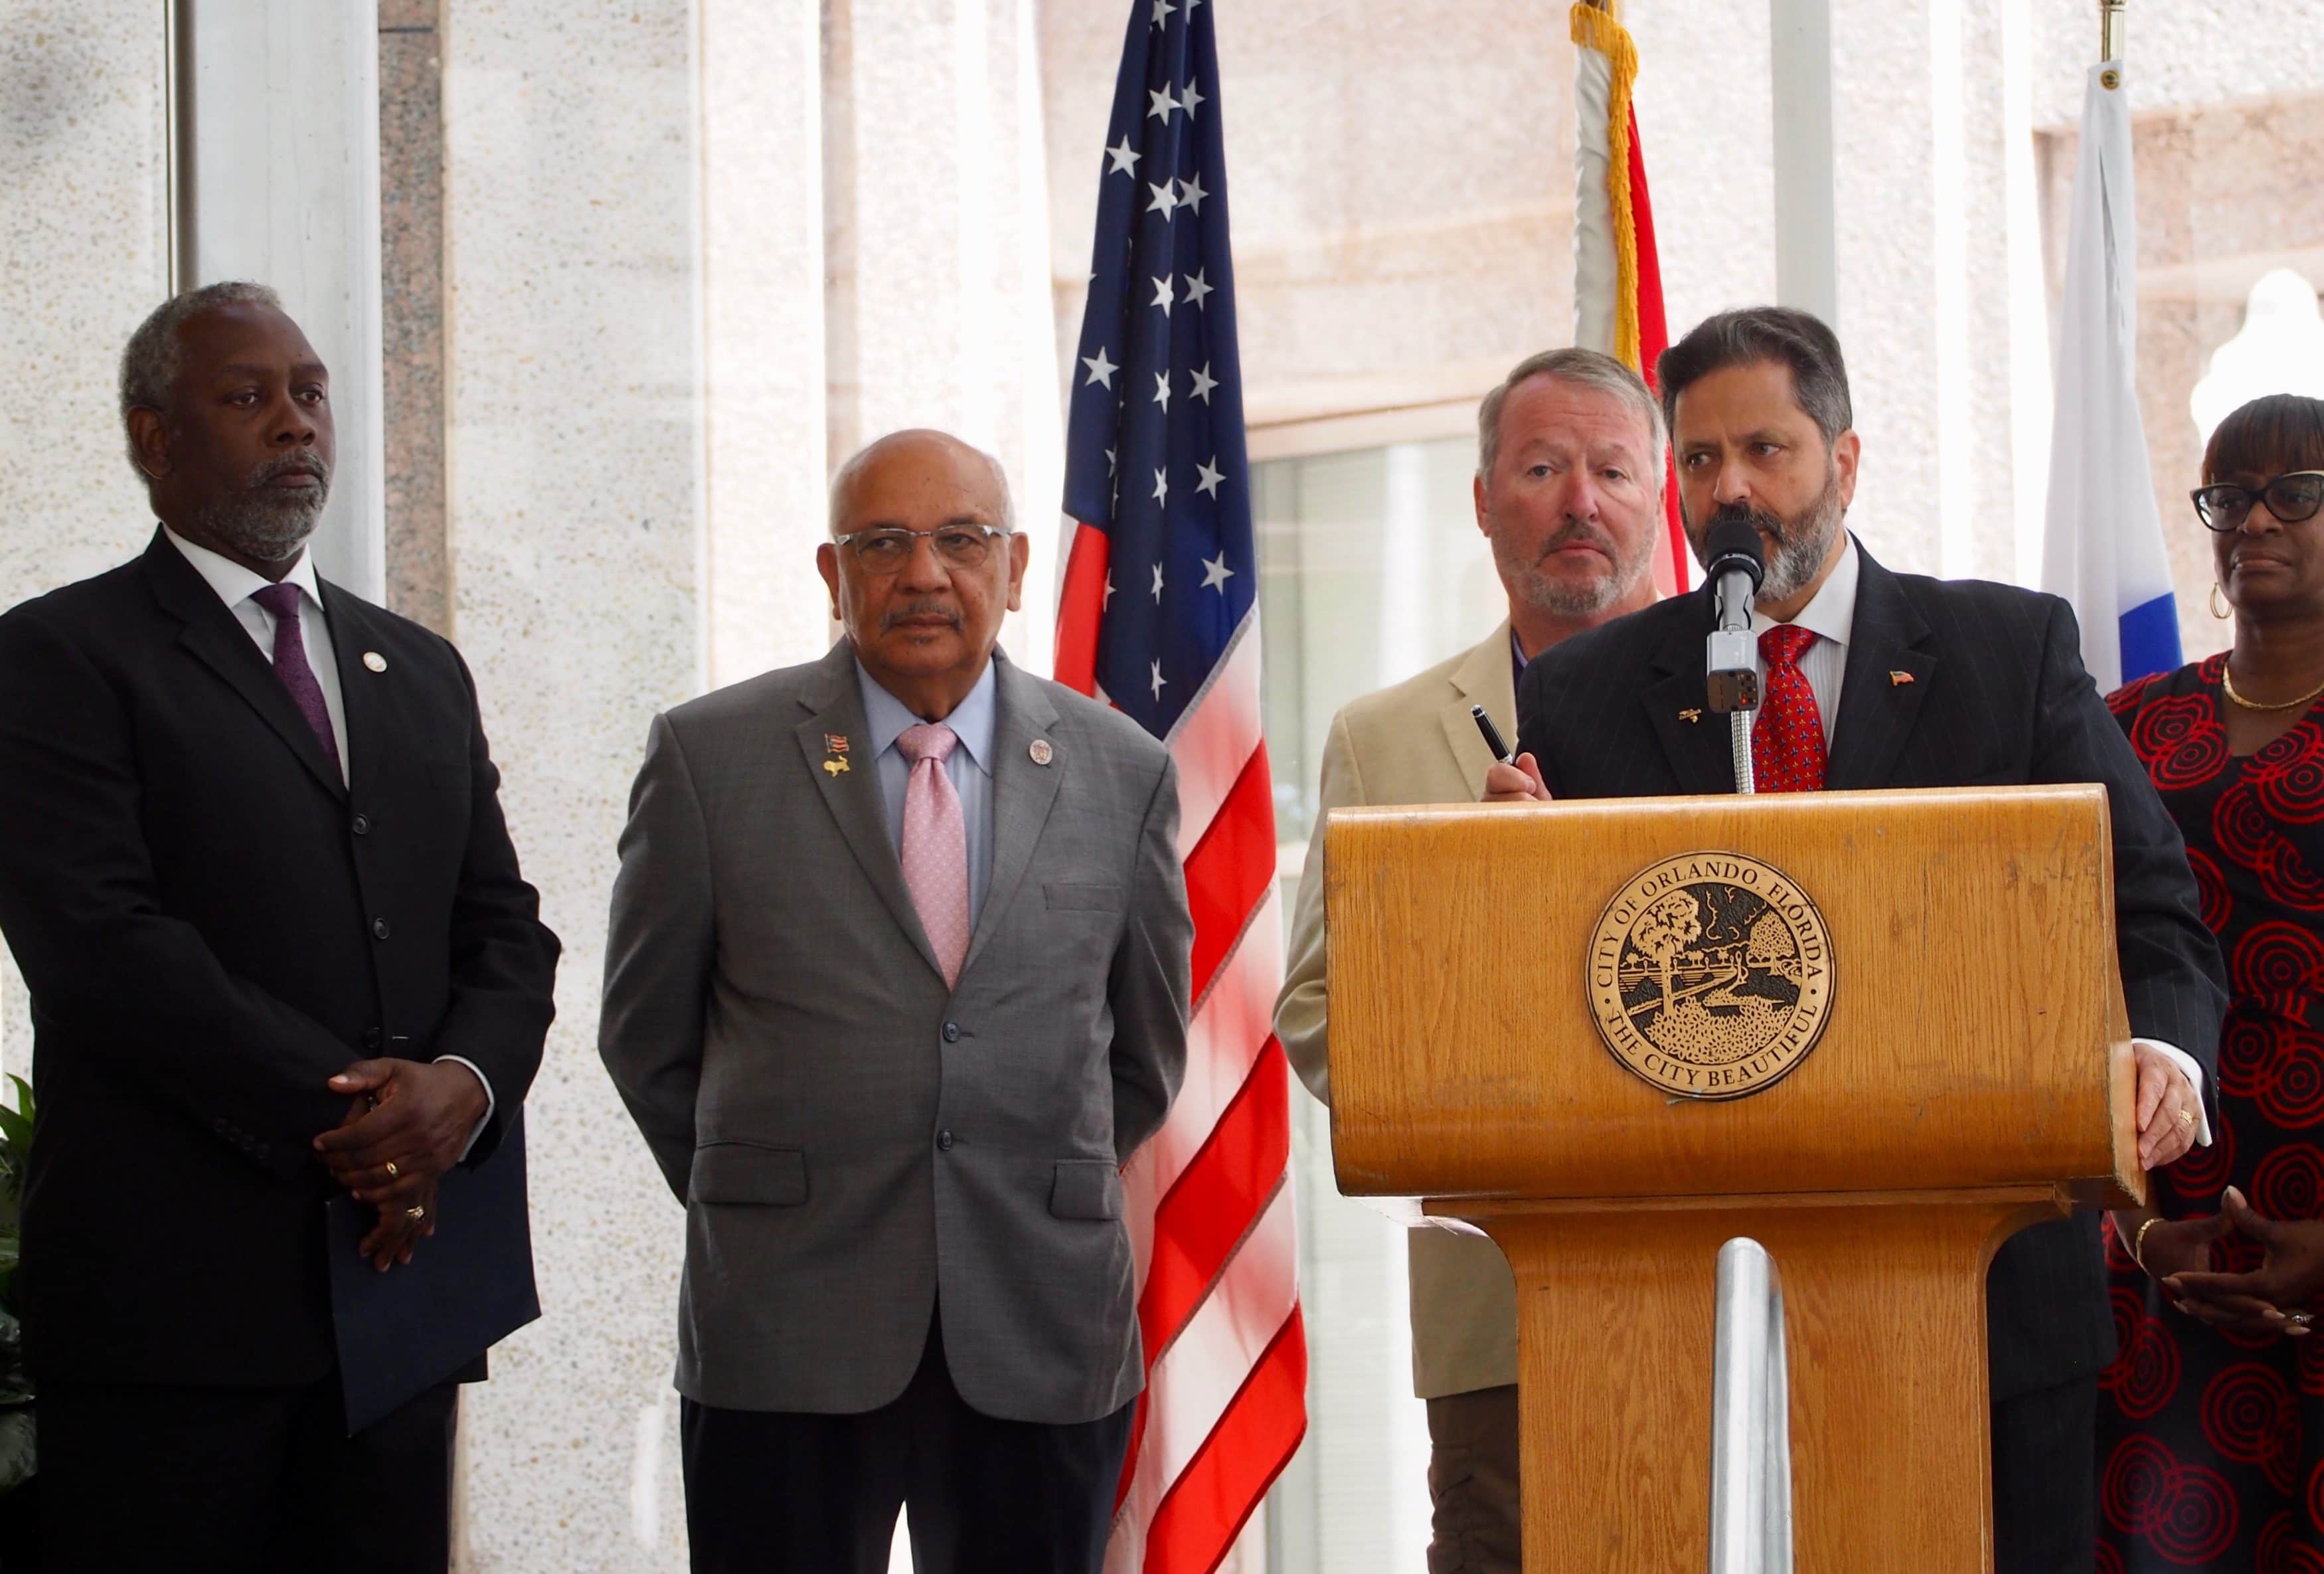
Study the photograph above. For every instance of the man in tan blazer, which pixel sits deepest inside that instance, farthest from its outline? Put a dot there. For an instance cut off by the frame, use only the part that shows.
(1569, 492)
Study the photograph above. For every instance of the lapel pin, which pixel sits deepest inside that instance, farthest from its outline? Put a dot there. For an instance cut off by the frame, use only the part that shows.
(1041, 752)
(836, 742)
(375, 661)
(1690, 716)
(835, 765)
(1898, 679)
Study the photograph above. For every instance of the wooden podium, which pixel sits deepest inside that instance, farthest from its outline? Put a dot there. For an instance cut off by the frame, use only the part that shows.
(1973, 1076)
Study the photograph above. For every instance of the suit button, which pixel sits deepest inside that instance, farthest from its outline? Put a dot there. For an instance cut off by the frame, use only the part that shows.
(951, 1033)
(379, 928)
(362, 826)
(371, 1038)
(944, 1141)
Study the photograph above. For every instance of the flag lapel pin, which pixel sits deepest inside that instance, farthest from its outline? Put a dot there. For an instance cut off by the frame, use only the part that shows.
(1898, 679)
(836, 744)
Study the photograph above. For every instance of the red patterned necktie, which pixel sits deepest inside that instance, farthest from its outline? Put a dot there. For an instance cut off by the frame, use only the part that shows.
(1787, 749)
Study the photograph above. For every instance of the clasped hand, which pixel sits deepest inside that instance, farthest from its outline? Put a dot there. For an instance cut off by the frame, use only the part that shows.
(407, 1122)
(2265, 1301)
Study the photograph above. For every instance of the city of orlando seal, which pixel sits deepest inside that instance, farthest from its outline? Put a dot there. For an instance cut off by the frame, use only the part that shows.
(1710, 975)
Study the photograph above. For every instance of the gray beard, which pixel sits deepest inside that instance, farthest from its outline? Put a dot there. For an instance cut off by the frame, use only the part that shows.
(1559, 596)
(1800, 545)
(270, 526)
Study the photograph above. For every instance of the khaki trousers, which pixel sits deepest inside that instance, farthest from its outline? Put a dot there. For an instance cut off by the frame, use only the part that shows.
(1472, 1482)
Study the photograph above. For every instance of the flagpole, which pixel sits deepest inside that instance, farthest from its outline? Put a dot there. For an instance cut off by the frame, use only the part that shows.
(2110, 19)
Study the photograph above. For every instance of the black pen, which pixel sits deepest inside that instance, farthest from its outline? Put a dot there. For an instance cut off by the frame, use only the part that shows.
(1493, 740)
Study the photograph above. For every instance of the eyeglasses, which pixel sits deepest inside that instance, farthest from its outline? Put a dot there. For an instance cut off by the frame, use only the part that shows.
(2291, 497)
(958, 546)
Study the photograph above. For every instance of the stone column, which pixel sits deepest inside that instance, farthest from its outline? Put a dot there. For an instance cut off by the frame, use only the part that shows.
(84, 159)
(935, 207)
(573, 285)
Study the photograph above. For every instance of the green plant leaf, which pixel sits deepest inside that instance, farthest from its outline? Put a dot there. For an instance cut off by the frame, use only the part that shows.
(19, 1448)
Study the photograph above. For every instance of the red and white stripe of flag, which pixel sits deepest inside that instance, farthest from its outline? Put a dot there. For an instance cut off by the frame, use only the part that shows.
(1210, 1207)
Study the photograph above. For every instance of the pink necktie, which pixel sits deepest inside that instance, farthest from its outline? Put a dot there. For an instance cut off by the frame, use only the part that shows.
(936, 845)
(1787, 749)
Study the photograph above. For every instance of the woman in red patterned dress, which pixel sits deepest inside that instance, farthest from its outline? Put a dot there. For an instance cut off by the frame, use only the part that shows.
(2212, 1419)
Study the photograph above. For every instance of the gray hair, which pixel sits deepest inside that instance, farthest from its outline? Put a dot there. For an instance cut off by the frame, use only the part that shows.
(1585, 369)
(847, 472)
(1755, 334)
(149, 362)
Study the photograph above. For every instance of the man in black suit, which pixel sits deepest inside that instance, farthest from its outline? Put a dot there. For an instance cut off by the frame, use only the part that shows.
(257, 878)
(1879, 679)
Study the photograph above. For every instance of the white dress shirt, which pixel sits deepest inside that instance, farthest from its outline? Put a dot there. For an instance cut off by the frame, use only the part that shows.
(1830, 616)
(237, 586)
(969, 767)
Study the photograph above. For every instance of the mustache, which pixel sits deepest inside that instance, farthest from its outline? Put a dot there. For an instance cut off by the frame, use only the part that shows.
(923, 607)
(1758, 519)
(1580, 533)
(297, 464)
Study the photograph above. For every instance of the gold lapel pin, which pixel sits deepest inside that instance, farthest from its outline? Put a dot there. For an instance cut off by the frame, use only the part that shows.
(835, 765)
(1041, 752)
(1898, 679)
(375, 661)
(1690, 716)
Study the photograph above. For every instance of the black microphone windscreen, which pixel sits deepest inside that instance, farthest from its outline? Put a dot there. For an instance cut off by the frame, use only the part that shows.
(1733, 543)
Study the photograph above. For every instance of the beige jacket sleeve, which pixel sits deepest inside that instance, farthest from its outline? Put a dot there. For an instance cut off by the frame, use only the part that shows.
(1301, 1010)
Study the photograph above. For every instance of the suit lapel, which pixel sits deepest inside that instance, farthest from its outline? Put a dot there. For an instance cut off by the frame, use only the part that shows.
(1877, 711)
(213, 636)
(1695, 739)
(1485, 677)
(835, 707)
(1022, 791)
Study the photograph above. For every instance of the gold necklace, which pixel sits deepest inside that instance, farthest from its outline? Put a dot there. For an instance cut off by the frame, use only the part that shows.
(2227, 683)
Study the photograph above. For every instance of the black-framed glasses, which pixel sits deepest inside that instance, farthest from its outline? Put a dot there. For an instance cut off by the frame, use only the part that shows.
(958, 546)
(2291, 497)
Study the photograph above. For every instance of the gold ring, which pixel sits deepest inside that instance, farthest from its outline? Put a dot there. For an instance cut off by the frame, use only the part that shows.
(415, 1213)
(2186, 1117)
(393, 1171)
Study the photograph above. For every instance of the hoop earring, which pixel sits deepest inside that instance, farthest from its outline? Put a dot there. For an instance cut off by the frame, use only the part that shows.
(2218, 611)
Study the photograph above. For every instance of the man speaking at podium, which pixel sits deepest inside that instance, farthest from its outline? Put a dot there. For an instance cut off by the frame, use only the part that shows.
(1874, 679)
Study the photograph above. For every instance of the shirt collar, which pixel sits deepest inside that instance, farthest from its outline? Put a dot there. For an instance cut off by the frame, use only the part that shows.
(1832, 611)
(971, 720)
(235, 584)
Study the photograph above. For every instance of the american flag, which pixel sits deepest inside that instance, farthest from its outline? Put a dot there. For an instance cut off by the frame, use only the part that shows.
(1159, 616)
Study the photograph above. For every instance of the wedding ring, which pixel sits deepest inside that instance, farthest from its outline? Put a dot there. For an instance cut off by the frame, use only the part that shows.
(2298, 1319)
(2186, 1117)
(415, 1213)
(393, 1171)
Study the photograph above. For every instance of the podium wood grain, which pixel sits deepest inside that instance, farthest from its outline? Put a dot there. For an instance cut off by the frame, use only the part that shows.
(1974, 1077)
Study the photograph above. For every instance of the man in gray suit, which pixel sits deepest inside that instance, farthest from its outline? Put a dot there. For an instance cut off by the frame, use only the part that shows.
(897, 979)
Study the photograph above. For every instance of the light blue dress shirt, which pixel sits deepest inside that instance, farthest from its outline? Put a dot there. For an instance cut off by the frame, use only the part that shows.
(970, 768)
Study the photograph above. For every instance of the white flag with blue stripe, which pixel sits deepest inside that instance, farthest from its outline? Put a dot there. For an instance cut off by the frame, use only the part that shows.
(2103, 546)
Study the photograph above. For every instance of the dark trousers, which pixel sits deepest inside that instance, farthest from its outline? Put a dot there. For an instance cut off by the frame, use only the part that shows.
(1474, 1501)
(238, 1480)
(2045, 1480)
(778, 1491)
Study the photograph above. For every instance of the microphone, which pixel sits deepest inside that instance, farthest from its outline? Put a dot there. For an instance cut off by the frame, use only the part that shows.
(1735, 563)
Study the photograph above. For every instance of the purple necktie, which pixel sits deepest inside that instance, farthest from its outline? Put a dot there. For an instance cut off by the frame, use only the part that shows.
(290, 666)
(935, 853)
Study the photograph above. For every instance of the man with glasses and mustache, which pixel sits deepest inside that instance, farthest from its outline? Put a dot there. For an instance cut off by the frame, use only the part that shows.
(279, 953)
(1873, 678)
(897, 981)
(1568, 491)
